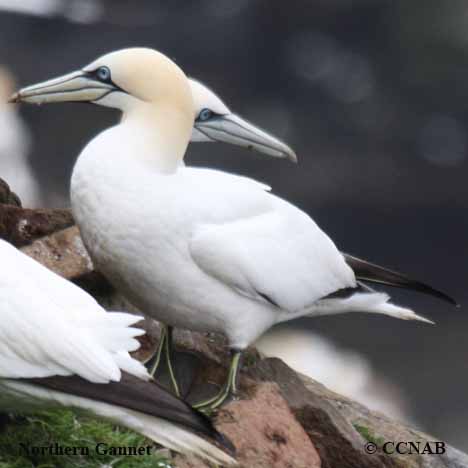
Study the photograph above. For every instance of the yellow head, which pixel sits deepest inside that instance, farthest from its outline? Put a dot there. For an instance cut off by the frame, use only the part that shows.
(117, 79)
(150, 90)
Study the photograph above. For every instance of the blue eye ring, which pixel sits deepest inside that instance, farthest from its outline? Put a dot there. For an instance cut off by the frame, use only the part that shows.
(103, 73)
(205, 114)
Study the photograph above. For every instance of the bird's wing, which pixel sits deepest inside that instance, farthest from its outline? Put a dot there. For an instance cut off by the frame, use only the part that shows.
(144, 407)
(61, 291)
(38, 337)
(279, 255)
(132, 393)
(372, 273)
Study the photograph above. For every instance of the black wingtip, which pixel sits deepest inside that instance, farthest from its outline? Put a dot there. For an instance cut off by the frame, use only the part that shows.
(210, 430)
(225, 443)
(142, 396)
(424, 288)
(372, 273)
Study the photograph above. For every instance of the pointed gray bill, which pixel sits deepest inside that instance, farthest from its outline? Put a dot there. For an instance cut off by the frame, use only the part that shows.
(232, 129)
(74, 87)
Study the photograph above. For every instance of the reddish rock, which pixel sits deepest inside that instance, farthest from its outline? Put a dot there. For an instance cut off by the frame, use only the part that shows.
(265, 432)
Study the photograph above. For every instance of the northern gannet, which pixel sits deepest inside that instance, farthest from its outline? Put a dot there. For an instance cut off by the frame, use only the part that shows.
(214, 121)
(58, 348)
(194, 248)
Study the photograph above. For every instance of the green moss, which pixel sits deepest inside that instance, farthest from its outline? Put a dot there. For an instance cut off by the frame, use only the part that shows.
(368, 435)
(67, 430)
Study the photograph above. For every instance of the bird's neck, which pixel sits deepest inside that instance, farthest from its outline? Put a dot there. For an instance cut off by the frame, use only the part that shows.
(160, 136)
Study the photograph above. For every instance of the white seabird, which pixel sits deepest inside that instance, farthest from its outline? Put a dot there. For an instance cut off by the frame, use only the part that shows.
(58, 347)
(195, 248)
(214, 121)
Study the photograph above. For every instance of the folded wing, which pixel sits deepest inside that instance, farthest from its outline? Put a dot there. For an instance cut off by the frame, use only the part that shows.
(279, 255)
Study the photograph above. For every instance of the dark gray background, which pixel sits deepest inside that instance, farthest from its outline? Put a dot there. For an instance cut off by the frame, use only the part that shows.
(373, 97)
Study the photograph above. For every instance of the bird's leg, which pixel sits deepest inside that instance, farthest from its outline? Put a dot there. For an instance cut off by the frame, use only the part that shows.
(155, 361)
(228, 389)
(169, 355)
(165, 346)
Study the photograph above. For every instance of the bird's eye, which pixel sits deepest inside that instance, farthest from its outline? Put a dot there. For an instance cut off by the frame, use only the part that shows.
(103, 73)
(205, 114)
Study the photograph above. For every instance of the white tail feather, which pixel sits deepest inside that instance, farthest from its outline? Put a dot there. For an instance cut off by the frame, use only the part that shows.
(114, 332)
(375, 303)
(401, 313)
(128, 364)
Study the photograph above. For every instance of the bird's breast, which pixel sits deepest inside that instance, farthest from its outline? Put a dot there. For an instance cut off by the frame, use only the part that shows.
(135, 229)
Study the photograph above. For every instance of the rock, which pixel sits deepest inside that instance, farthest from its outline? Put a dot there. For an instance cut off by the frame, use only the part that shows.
(62, 252)
(20, 226)
(281, 419)
(7, 197)
(276, 441)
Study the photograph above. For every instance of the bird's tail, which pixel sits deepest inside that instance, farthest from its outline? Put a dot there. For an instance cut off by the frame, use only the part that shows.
(370, 302)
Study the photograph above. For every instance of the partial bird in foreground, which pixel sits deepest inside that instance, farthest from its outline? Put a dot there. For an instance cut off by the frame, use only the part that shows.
(194, 248)
(58, 348)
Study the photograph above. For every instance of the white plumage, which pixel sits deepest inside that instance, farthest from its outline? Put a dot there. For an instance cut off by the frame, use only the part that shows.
(194, 248)
(51, 327)
(210, 243)
(215, 122)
